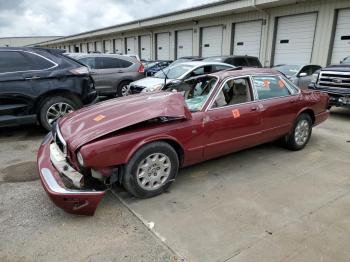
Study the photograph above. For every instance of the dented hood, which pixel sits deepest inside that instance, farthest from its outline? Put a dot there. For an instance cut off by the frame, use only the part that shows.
(90, 123)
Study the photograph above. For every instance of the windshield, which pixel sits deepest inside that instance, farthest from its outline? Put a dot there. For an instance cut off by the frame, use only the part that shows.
(174, 72)
(288, 70)
(195, 91)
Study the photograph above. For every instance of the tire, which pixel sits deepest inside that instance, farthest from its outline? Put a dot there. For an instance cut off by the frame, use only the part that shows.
(166, 164)
(121, 90)
(300, 135)
(51, 105)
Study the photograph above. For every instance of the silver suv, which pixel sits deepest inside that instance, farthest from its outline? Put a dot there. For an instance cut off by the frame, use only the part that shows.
(112, 73)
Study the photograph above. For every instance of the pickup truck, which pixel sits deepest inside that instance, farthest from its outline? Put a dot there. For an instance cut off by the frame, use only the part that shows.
(335, 81)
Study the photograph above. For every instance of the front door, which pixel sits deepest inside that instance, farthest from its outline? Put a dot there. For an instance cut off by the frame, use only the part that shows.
(233, 121)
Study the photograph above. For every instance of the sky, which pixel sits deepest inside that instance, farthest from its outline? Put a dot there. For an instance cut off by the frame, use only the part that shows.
(66, 17)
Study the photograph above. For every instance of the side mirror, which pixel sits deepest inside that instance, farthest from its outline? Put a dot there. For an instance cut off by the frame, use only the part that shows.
(302, 74)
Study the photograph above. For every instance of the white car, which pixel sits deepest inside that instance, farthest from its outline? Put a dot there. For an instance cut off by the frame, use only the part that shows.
(175, 73)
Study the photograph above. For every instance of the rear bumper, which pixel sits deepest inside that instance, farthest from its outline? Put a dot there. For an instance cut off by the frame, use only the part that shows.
(73, 201)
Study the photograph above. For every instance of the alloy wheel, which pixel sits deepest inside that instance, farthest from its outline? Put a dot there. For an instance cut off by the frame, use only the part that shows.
(153, 171)
(58, 110)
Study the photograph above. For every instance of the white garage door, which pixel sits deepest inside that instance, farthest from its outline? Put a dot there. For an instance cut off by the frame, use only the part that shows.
(184, 43)
(131, 45)
(91, 47)
(163, 46)
(212, 41)
(247, 38)
(294, 39)
(145, 42)
(341, 46)
(84, 48)
(118, 46)
(107, 46)
(99, 47)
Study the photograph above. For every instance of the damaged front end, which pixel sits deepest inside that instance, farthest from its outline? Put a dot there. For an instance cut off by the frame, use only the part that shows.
(63, 183)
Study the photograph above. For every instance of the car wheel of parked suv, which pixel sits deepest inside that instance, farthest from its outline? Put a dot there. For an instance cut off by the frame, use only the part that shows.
(52, 108)
(123, 88)
(300, 134)
(151, 170)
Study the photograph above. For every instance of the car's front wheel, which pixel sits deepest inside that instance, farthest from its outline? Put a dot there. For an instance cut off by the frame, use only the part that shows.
(52, 108)
(300, 134)
(151, 170)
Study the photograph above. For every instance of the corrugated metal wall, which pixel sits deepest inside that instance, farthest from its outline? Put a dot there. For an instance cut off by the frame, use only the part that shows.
(325, 9)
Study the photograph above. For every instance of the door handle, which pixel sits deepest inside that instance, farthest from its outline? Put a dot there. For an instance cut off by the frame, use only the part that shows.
(254, 108)
(120, 71)
(292, 100)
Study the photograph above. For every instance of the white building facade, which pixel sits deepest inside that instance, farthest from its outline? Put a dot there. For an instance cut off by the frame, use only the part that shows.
(276, 31)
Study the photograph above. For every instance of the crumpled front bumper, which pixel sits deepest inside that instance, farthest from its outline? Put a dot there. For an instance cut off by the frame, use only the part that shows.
(73, 201)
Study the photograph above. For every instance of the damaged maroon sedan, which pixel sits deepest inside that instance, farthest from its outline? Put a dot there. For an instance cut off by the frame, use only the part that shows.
(141, 141)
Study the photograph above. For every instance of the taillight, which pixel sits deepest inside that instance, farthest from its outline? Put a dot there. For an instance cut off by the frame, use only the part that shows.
(80, 71)
(141, 68)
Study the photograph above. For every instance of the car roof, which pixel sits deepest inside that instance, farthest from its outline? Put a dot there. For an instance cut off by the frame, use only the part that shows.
(229, 56)
(239, 71)
(202, 63)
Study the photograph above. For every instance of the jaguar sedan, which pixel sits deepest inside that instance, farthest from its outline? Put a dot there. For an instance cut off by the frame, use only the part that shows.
(142, 141)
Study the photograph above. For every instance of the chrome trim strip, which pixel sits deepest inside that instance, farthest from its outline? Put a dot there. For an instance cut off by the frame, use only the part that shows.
(51, 182)
(60, 136)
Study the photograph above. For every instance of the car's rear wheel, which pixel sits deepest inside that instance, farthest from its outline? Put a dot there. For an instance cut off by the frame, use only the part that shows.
(123, 88)
(300, 134)
(151, 170)
(52, 108)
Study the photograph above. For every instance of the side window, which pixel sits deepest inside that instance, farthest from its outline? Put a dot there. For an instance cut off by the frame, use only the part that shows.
(314, 69)
(13, 61)
(88, 61)
(270, 86)
(253, 62)
(307, 70)
(37, 62)
(239, 61)
(233, 92)
(217, 68)
(110, 62)
(124, 63)
(198, 71)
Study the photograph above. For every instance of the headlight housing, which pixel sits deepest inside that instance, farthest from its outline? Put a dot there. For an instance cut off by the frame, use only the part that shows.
(152, 88)
(314, 78)
(80, 159)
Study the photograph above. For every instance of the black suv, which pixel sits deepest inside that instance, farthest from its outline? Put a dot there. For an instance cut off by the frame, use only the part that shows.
(41, 85)
(236, 60)
(335, 81)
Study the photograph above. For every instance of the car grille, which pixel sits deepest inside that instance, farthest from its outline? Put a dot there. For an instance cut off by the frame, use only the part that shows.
(334, 79)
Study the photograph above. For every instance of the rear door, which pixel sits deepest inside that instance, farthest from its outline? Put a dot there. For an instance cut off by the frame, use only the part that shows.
(279, 104)
(21, 78)
(233, 120)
